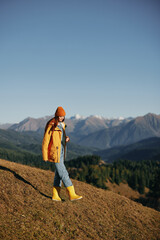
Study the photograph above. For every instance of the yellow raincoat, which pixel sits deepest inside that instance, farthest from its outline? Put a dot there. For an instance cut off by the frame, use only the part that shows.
(51, 145)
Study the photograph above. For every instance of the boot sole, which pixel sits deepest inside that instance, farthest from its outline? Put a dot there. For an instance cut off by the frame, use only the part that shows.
(76, 199)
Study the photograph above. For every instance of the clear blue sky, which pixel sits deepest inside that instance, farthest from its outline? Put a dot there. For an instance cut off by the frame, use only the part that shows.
(90, 56)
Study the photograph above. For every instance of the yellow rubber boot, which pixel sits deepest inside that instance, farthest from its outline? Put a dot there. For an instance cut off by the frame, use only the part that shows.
(56, 192)
(72, 195)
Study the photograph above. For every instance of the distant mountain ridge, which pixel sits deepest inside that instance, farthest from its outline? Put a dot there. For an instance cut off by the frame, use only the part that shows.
(98, 132)
(77, 123)
(133, 131)
(30, 124)
(5, 125)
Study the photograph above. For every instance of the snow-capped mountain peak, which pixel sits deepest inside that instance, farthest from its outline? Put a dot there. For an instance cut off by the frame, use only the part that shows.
(77, 117)
(97, 116)
(121, 118)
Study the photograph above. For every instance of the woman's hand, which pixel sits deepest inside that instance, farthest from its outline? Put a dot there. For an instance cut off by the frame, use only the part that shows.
(67, 139)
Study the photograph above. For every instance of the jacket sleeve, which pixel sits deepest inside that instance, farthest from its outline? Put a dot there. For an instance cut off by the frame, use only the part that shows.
(45, 143)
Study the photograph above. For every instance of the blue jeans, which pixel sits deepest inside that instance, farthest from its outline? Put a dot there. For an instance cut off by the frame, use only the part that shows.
(61, 173)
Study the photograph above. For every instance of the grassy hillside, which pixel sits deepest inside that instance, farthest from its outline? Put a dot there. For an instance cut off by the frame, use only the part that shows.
(27, 211)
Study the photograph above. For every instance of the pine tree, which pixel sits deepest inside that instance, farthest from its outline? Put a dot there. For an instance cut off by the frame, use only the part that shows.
(155, 186)
(117, 177)
(141, 183)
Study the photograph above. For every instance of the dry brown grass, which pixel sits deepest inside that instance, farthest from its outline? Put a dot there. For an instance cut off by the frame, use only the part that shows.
(124, 190)
(27, 211)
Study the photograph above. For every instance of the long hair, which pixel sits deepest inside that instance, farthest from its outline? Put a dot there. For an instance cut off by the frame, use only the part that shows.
(55, 120)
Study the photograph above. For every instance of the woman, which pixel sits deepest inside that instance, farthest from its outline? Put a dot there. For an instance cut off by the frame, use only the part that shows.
(54, 150)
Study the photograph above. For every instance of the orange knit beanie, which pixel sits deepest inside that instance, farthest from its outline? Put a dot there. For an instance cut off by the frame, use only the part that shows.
(60, 112)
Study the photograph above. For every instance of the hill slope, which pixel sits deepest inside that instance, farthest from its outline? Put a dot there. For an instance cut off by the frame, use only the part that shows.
(27, 211)
(147, 149)
(32, 142)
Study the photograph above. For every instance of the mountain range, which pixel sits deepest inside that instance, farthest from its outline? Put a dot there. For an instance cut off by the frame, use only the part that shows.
(127, 133)
(76, 125)
(99, 132)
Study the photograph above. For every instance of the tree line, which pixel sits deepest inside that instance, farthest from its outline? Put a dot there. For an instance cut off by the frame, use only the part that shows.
(138, 175)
